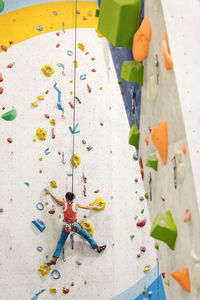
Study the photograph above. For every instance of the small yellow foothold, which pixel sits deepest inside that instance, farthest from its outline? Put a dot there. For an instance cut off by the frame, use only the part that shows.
(100, 202)
(99, 33)
(71, 81)
(90, 13)
(81, 46)
(53, 122)
(35, 104)
(48, 70)
(101, 88)
(70, 93)
(59, 217)
(88, 227)
(44, 269)
(34, 140)
(41, 134)
(41, 97)
(46, 203)
(76, 63)
(53, 184)
(40, 158)
(75, 160)
(53, 291)
(147, 268)
(85, 282)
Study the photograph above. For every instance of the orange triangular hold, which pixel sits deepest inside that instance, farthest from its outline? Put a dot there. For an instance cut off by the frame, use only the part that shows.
(183, 278)
(159, 137)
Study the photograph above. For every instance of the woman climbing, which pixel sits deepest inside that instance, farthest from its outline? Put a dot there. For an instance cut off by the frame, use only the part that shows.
(70, 218)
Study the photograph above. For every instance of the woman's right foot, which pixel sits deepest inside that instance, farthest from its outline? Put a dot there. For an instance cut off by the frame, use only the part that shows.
(52, 262)
(101, 248)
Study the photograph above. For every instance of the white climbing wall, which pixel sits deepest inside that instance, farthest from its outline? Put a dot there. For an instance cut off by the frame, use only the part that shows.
(177, 102)
(109, 167)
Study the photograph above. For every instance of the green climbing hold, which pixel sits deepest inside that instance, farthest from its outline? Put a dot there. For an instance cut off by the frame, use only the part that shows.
(134, 136)
(10, 115)
(152, 162)
(164, 229)
(146, 196)
(132, 71)
(1, 5)
(97, 13)
(156, 246)
(135, 156)
(124, 15)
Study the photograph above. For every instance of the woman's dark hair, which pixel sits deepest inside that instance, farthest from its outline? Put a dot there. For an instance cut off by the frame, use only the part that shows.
(69, 196)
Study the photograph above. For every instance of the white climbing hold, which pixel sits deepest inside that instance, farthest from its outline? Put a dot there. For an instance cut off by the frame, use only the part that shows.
(152, 87)
(181, 172)
(194, 256)
(177, 154)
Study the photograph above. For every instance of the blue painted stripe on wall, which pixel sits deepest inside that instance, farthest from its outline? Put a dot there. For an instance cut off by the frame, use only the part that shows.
(11, 5)
(153, 283)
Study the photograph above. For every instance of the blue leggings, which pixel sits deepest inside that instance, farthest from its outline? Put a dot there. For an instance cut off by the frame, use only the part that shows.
(64, 236)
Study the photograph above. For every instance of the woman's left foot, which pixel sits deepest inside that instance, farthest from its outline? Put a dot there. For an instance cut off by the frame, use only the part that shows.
(101, 248)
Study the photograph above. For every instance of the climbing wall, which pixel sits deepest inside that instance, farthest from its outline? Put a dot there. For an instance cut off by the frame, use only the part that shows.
(172, 185)
(29, 42)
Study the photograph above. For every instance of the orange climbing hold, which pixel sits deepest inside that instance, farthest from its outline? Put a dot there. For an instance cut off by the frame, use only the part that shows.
(141, 40)
(166, 53)
(146, 140)
(183, 278)
(159, 137)
(187, 215)
(184, 149)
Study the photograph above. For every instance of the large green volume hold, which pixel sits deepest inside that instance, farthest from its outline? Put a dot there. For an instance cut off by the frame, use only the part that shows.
(132, 71)
(119, 20)
(164, 229)
(152, 162)
(134, 136)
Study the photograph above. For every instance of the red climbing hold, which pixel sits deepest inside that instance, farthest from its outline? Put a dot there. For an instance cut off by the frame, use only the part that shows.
(78, 263)
(71, 105)
(89, 88)
(141, 198)
(1, 210)
(72, 284)
(4, 48)
(84, 191)
(86, 53)
(51, 211)
(53, 133)
(79, 101)
(10, 66)
(142, 174)
(40, 171)
(10, 140)
(97, 191)
(57, 33)
(84, 216)
(92, 58)
(65, 290)
(47, 116)
(101, 124)
(11, 42)
(58, 45)
(141, 162)
(89, 148)
(141, 223)
(84, 178)
(93, 70)
(163, 199)
(83, 142)
(150, 130)
(142, 249)
(3, 108)
(1, 77)
(136, 180)
(163, 275)
(122, 92)
(59, 153)
(46, 92)
(1, 90)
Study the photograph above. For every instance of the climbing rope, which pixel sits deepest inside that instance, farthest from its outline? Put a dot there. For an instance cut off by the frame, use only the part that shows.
(74, 113)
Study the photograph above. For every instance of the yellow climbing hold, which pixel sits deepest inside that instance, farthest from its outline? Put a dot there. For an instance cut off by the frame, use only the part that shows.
(44, 269)
(88, 227)
(40, 158)
(100, 202)
(34, 140)
(53, 122)
(35, 104)
(48, 70)
(99, 33)
(41, 134)
(70, 93)
(71, 81)
(59, 217)
(53, 184)
(147, 268)
(41, 97)
(76, 63)
(75, 160)
(46, 203)
(81, 46)
(53, 291)
(101, 88)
